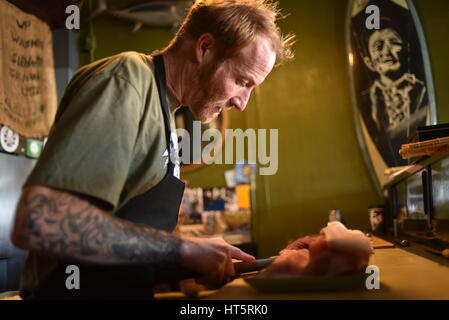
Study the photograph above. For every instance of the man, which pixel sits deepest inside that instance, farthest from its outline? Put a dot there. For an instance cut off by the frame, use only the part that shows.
(398, 99)
(103, 196)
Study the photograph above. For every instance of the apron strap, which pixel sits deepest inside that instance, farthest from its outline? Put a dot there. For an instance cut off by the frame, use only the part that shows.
(161, 83)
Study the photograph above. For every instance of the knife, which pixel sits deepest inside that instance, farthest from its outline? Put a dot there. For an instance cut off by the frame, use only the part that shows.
(241, 267)
(245, 267)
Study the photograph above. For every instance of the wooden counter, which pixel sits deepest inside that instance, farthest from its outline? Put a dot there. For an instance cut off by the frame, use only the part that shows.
(403, 275)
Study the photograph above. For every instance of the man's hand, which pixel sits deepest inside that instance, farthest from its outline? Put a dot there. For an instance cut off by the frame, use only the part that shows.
(211, 257)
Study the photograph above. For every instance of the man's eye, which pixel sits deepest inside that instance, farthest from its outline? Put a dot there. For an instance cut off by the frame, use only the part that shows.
(242, 83)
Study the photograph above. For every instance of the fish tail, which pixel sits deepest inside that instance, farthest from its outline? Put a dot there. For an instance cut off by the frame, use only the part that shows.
(102, 7)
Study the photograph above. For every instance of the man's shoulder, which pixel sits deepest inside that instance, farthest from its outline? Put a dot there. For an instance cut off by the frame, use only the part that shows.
(135, 68)
(130, 65)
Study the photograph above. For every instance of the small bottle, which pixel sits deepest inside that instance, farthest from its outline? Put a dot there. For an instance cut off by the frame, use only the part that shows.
(334, 215)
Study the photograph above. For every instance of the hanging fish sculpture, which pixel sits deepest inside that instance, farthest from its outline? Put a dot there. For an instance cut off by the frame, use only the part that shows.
(162, 13)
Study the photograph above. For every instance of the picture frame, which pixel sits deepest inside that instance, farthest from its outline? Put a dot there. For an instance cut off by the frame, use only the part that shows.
(391, 81)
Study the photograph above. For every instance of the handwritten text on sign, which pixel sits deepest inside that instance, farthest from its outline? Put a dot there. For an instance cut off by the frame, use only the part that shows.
(27, 87)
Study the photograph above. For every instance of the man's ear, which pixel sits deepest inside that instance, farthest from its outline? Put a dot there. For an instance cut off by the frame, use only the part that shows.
(369, 63)
(205, 47)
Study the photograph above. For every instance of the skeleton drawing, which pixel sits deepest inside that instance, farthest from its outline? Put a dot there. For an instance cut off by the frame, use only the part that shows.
(398, 100)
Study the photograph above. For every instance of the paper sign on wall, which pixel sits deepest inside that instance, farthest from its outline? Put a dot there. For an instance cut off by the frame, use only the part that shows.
(28, 99)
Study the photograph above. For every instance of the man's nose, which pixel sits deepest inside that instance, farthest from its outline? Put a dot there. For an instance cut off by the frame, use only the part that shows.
(241, 101)
(238, 103)
(386, 49)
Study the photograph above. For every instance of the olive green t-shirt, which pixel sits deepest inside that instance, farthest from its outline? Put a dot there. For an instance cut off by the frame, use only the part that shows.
(108, 140)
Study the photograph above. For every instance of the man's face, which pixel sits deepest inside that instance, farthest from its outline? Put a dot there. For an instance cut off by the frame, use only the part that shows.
(384, 48)
(231, 82)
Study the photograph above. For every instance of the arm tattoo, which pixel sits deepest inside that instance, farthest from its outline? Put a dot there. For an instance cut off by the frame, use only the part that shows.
(66, 226)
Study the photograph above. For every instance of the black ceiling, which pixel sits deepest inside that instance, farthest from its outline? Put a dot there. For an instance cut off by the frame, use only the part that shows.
(51, 11)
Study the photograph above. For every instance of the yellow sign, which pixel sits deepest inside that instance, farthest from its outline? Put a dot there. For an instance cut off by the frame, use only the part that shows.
(243, 196)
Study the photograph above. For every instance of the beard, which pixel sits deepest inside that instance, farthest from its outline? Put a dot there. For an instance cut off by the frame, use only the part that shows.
(206, 94)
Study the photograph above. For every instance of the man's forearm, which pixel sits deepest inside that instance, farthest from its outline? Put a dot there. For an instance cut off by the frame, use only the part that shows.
(62, 224)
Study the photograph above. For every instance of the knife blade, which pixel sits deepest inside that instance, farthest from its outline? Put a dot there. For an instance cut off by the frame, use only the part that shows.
(245, 267)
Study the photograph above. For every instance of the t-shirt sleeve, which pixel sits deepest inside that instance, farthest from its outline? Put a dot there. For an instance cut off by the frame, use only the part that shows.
(90, 147)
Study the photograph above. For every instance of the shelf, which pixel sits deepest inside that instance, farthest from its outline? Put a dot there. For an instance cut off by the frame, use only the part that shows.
(419, 165)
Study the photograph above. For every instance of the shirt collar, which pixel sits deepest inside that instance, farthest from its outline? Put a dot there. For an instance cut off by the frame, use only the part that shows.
(173, 103)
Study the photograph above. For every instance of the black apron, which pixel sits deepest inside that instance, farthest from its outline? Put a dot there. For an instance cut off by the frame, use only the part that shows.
(157, 207)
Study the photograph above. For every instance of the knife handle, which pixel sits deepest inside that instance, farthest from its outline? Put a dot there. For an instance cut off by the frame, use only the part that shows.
(174, 273)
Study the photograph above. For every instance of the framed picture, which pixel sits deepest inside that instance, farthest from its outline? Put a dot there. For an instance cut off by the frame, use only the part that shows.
(391, 80)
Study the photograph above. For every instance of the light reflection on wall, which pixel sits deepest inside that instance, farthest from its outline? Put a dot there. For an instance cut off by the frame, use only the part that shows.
(415, 199)
(410, 199)
(440, 181)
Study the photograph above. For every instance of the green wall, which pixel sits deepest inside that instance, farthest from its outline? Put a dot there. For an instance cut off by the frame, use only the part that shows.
(308, 100)
(434, 15)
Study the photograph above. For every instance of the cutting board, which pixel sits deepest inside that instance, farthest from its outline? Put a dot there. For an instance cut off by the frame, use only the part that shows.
(379, 243)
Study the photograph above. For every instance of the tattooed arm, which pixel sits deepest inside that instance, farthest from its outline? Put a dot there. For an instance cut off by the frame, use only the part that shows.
(66, 225)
